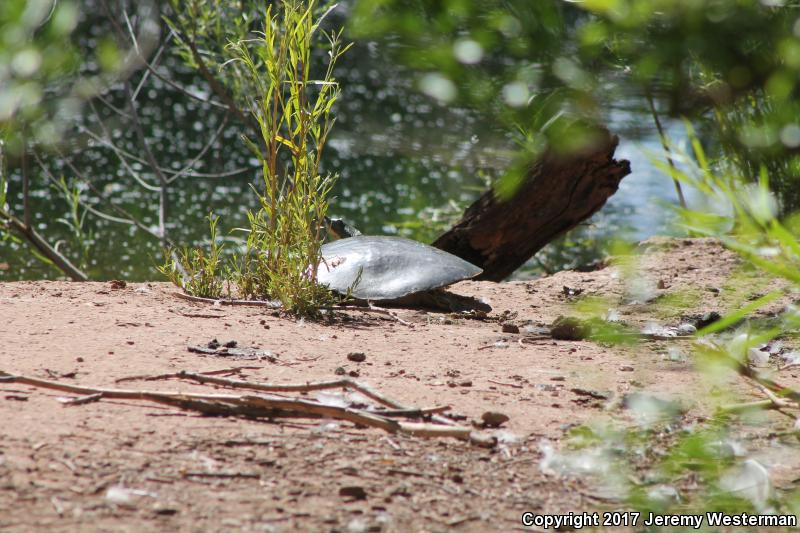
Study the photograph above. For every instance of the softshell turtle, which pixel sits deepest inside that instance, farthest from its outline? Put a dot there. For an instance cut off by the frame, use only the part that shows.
(394, 271)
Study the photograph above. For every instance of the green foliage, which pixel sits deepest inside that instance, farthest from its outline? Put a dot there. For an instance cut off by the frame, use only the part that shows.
(39, 78)
(273, 75)
(756, 233)
(75, 220)
(569, 65)
(761, 132)
(194, 270)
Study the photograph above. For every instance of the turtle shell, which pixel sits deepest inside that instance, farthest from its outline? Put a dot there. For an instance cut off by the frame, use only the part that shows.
(389, 267)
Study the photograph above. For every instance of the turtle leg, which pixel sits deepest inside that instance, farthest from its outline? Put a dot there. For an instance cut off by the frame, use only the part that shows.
(442, 300)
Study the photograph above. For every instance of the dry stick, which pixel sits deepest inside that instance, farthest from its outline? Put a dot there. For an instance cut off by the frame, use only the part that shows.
(780, 397)
(414, 412)
(364, 389)
(162, 179)
(297, 387)
(514, 385)
(779, 402)
(214, 403)
(208, 378)
(769, 384)
(260, 303)
(216, 87)
(44, 247)
(231, 370)
(259, 406)
(26, 187)
(273, 304)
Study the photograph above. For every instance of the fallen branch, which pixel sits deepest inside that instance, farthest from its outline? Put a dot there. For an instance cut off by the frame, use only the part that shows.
(52, 255)
(344, 383)
(264, 406)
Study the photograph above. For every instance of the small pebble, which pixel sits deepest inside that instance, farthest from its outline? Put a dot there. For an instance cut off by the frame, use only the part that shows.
(357, 357)
(510, 328)
(493, 419)
(355, 492)
(626, 368)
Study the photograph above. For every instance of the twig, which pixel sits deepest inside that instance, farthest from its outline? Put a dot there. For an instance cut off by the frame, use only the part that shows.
(765, 382)
(216, 87)
(162, 179)
(411, 413)
(83, 400)
(383, 311)
(779, 402)
(747, 406)
(297, 387)
(231, 370)
(263, 406)
(667, 150)
(514, 385)
(61, 262)
(221, 301)
(26, 188)
(224, 475)
(273, 304)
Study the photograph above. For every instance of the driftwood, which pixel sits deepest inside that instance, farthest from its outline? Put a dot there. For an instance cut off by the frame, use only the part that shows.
(558, 194)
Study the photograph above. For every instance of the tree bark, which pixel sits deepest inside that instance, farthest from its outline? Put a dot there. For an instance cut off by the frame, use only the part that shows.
(558, 193)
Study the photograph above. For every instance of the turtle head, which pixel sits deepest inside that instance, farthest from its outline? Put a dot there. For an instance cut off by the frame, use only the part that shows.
(339, 229)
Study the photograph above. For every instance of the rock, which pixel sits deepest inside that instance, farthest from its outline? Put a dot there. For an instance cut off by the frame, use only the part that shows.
(340, 371)
(597, 395)
(570, 292)
(757, 357)
(510, 328)
(707, 319)
(686, 329)
(493, 419)
(355, 492)
(568, 328)
(357, 357)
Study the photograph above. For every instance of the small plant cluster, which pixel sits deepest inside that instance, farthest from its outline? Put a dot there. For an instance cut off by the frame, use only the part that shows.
(293, 113)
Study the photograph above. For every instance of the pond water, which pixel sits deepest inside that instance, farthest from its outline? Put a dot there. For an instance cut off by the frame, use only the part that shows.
(406, 164)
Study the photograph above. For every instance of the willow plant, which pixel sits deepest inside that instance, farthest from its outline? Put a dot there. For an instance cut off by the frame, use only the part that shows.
(293, 112)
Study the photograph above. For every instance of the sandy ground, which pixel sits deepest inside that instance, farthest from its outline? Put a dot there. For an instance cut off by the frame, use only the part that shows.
(131, 466)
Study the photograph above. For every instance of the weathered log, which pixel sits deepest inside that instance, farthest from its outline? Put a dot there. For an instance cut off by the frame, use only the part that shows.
(558, 193)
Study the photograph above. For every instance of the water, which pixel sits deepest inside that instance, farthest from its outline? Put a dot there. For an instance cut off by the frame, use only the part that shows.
(407, 166)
